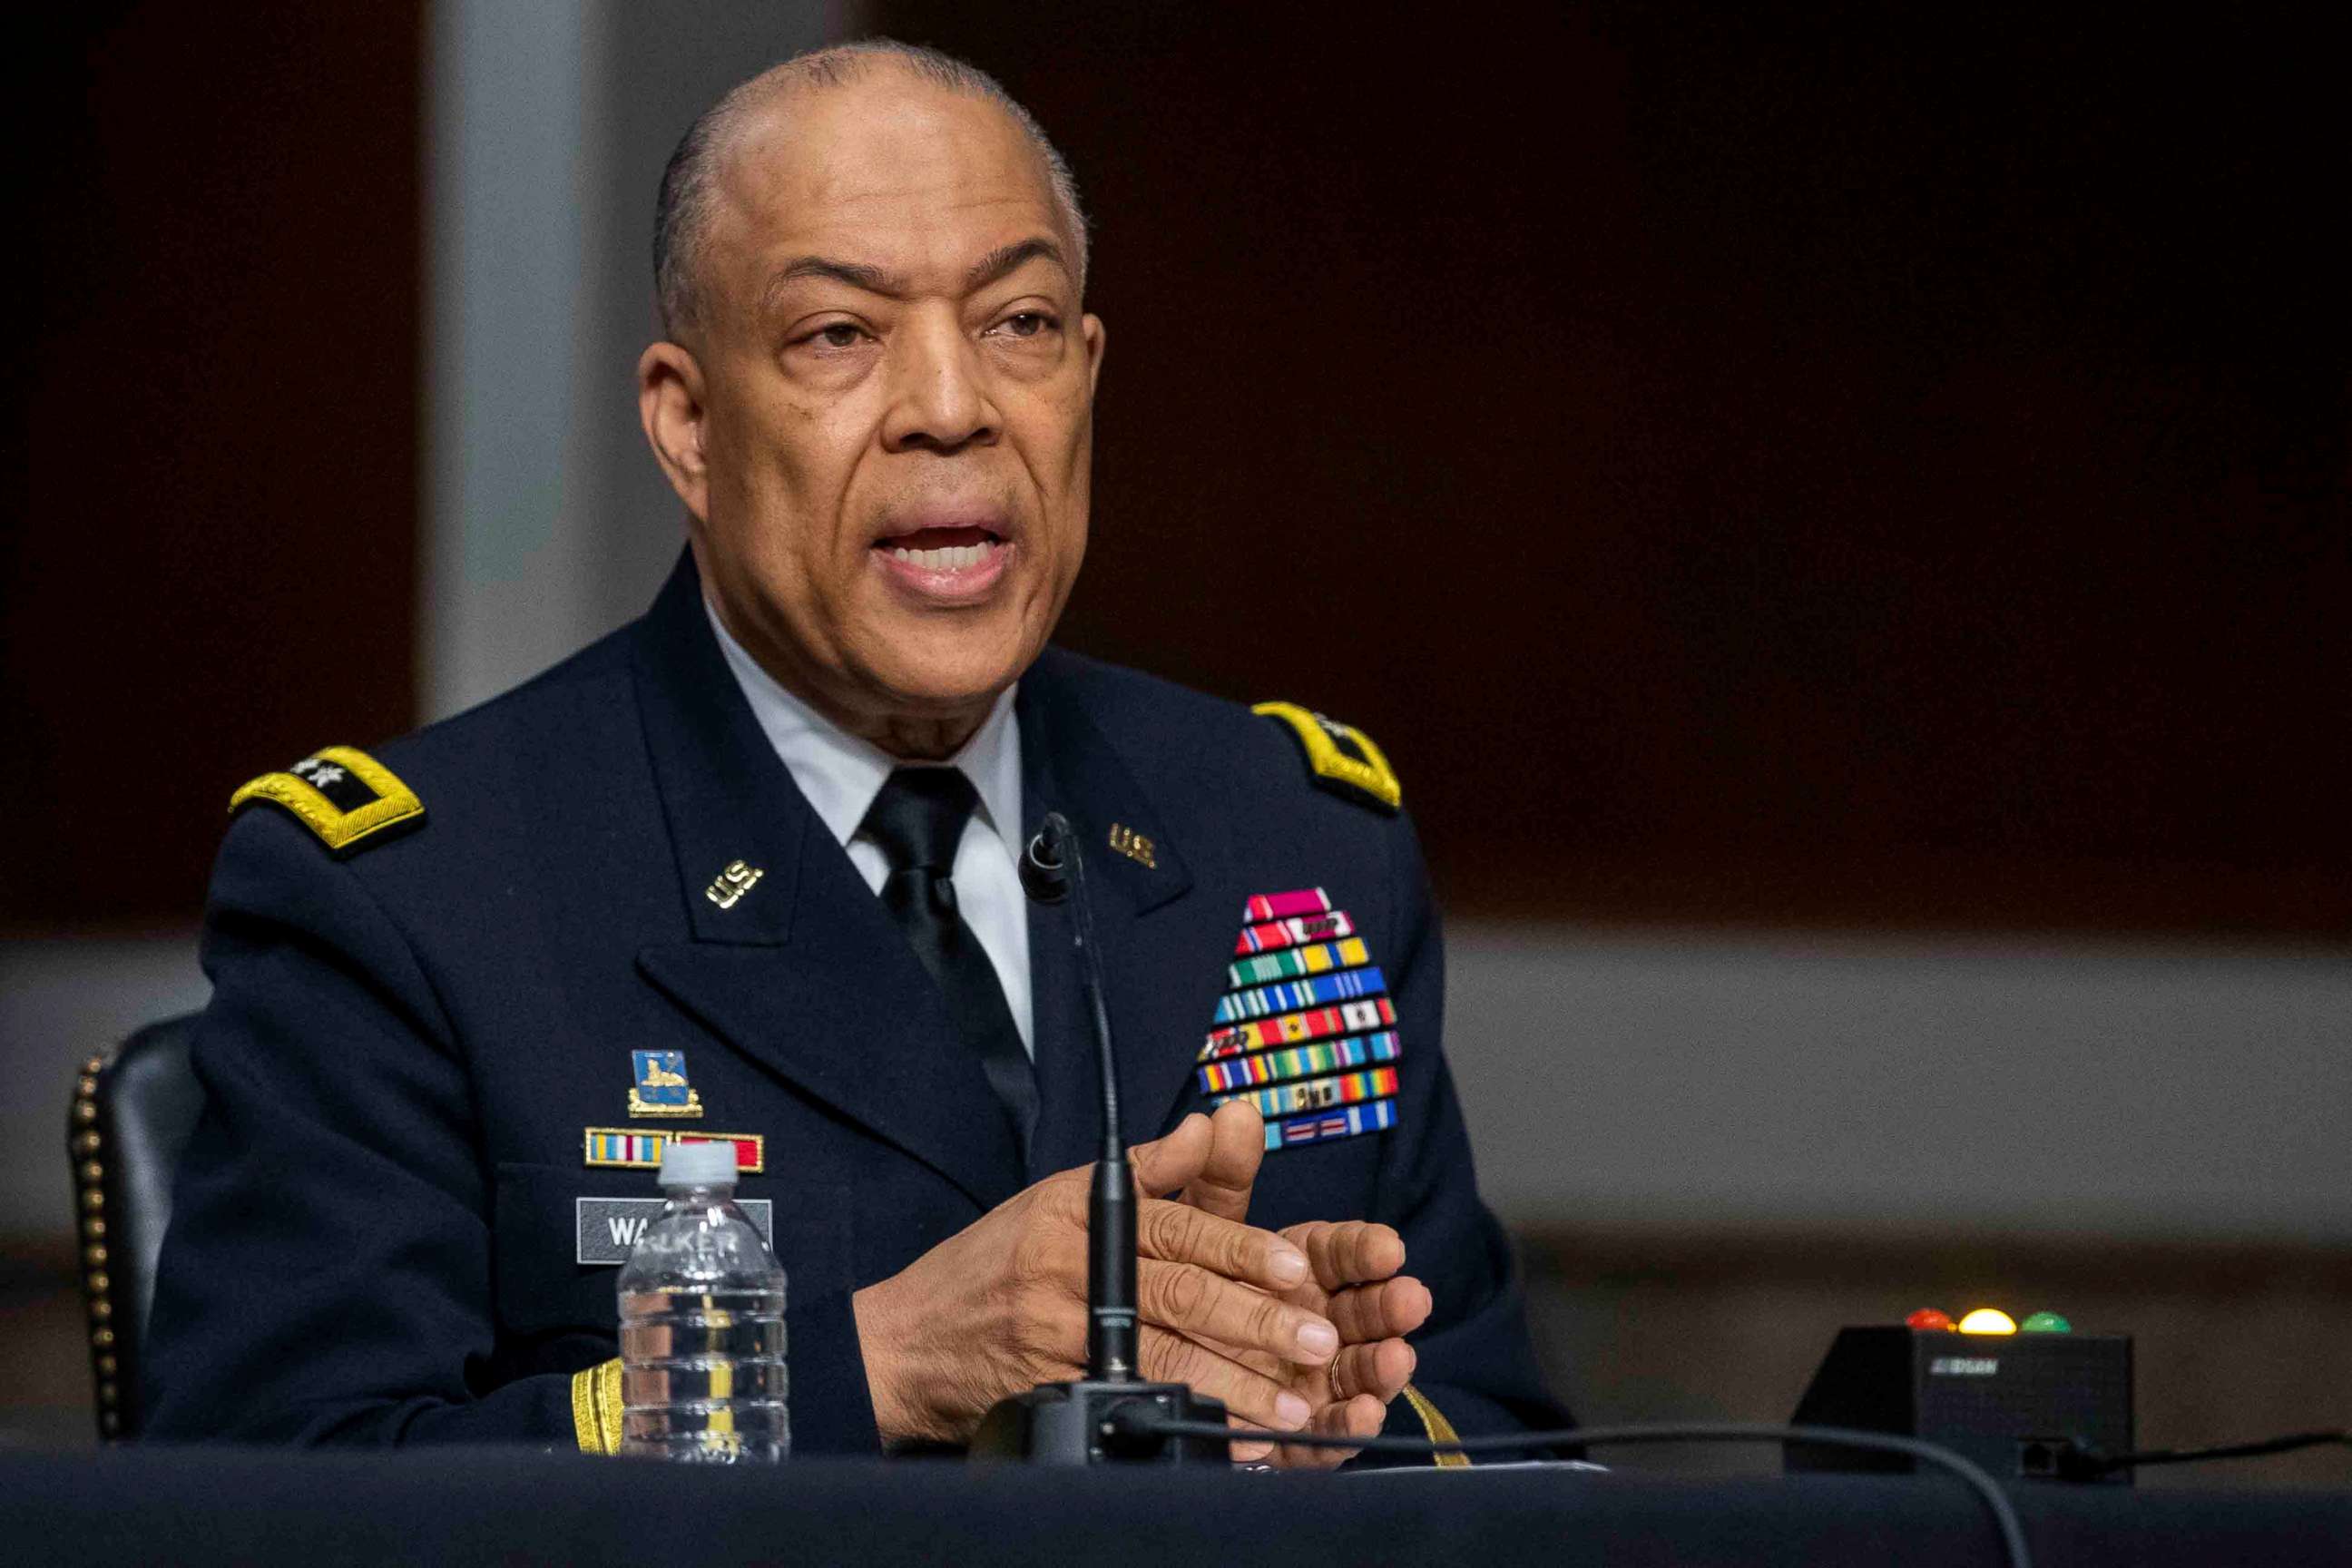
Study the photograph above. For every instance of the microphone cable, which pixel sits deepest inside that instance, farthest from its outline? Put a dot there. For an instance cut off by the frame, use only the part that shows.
(2082, 1462)
(1139, 1418)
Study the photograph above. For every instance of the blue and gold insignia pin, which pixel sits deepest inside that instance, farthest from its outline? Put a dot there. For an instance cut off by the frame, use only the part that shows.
(660, 1088)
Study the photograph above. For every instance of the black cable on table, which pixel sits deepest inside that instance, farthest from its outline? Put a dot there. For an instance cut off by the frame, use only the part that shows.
(1142, 1418)
(2081, 1462)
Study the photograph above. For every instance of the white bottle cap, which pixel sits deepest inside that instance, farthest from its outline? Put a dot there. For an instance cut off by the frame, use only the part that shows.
(699, 1165)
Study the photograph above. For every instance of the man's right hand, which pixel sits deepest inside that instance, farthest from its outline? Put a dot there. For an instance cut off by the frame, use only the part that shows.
(1001, 1306)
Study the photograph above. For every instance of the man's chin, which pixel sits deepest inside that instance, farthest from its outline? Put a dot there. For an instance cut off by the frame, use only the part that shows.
(947, 685)
(949, 660)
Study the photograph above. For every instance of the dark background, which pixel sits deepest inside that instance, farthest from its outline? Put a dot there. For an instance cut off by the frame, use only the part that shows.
(212, 566)
(1777, 468)
(1767, 468)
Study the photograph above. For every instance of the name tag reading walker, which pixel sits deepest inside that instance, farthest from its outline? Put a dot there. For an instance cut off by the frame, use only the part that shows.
(610, 1226)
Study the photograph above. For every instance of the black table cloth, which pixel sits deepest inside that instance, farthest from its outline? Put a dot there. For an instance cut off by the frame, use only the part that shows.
(514, 1509)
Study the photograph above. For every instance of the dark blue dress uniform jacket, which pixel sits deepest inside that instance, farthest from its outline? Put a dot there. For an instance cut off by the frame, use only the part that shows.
(374, 1231)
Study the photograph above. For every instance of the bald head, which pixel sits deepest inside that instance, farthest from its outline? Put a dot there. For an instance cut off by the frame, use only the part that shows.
(693, 188)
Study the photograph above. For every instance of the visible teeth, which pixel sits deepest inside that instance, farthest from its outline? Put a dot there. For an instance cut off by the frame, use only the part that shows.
(952, 558)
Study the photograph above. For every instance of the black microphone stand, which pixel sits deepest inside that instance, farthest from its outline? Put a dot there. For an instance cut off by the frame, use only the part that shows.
(1101, 1418)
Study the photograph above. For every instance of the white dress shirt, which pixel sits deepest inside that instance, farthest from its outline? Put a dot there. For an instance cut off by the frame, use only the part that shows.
(841, 774)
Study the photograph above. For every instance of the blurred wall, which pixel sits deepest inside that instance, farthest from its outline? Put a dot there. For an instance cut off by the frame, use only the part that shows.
(546, 522)
(335, 432)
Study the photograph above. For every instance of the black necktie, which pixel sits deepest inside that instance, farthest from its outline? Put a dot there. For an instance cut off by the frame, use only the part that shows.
(919, 820)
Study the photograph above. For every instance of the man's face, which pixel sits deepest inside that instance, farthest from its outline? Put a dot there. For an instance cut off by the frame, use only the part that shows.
(896, 392)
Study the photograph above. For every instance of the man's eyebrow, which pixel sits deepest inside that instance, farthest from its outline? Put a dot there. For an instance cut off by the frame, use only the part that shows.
(1006, 259)
(997, 264)
(857, 274)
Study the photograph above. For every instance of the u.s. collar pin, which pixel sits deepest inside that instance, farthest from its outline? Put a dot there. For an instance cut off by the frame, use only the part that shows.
(1134, 845)
(732, 883)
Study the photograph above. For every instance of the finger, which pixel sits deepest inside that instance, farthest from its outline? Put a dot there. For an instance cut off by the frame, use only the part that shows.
(1358, 1417)
(1236, 1147)
(1387, 1311)
(1179, 1233)
(1381, 1370)
(1254, 1397)
(1249, 1443)
(1351, 1252)
(1205, 1306)
(1165, 1165)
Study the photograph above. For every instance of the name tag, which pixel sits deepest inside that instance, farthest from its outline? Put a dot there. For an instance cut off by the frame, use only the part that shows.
(608, 1228)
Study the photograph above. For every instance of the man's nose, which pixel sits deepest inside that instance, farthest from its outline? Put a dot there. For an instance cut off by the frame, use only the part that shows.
(941, 399)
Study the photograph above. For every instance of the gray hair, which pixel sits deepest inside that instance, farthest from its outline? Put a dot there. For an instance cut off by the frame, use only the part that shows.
(683, 213)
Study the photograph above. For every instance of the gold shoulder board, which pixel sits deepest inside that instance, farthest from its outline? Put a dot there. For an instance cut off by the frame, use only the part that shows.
(342, 794)
(1342, 757)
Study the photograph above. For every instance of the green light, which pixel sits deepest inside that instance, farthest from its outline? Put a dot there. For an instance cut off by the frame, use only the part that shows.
(2046, 1323)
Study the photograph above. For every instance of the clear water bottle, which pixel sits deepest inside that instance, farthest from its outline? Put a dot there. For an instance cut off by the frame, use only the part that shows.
(703, 1323)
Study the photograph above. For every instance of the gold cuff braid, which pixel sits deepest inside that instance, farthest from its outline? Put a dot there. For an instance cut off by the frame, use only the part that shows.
(1440, 1430)
(597, 1408)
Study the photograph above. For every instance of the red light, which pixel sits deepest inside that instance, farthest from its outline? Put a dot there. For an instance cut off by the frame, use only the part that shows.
(1927, 1318)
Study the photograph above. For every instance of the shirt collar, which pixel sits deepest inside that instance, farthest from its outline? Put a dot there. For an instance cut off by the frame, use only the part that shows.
(840, 775)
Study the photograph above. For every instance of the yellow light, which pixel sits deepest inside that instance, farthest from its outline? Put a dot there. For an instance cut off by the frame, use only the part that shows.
(1988, 1321)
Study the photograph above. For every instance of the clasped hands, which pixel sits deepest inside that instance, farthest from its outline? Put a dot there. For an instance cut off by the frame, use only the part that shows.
(1300, 1330)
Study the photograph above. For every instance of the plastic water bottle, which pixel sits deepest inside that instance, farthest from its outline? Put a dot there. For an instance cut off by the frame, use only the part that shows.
(703, 1323)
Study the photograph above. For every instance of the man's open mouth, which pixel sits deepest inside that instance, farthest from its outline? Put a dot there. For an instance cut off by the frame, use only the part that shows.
(944, 549)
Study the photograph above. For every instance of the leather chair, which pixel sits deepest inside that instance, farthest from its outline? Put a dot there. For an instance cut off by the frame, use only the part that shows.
(134, 1109)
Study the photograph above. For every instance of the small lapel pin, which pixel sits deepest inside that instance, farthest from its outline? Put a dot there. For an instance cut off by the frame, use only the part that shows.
(1134, 845)
(733, 884)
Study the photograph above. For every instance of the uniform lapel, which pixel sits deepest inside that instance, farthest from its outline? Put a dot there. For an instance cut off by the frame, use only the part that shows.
(803, 971)
(1162, 952)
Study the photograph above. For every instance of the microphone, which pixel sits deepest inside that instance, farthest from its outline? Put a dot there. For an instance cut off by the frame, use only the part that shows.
(1060, 874)
(1041, 874)
(1096, 1419)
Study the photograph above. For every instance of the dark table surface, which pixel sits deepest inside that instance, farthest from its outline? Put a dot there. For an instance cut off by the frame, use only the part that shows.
(219, 1506)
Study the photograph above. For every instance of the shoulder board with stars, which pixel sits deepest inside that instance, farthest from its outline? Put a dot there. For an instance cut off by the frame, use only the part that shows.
(1342, 757)
(342, 794)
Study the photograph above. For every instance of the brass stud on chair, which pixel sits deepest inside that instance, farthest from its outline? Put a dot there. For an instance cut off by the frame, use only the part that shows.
(85, 1141)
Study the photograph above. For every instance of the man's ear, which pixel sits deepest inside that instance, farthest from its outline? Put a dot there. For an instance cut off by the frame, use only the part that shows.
(670, 405)
(1090, 327)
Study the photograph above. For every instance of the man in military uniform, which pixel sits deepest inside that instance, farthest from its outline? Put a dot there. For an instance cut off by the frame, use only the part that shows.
(746, 871)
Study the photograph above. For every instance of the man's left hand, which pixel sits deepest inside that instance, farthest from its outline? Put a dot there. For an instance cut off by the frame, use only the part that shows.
(1353, 1279)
